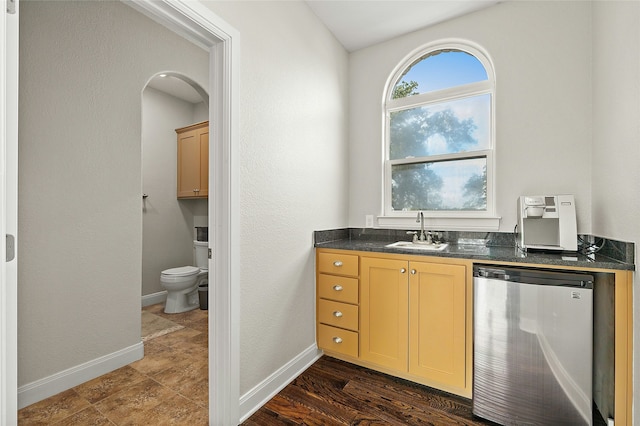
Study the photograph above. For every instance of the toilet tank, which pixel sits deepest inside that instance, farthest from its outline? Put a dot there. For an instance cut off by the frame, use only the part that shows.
(201, 254)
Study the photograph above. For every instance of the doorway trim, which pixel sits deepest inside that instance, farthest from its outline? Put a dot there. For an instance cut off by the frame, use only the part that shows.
(9, 213)
(201, 26)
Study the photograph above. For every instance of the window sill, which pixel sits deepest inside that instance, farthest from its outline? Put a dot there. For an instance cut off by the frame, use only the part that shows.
(442, 223)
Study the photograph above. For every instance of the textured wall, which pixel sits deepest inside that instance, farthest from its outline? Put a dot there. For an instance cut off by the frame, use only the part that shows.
(293, 173)
(616, 137)
(541, 52)
(83, 66)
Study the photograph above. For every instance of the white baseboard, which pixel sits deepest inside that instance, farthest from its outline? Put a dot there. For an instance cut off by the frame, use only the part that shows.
(154, 298)
(268, 388)
(44, 388)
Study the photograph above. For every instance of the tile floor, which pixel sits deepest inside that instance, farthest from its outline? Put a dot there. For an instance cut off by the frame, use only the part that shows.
(168, 386)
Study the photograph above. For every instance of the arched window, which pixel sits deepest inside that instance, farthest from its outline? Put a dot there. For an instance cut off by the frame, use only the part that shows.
(439, 110)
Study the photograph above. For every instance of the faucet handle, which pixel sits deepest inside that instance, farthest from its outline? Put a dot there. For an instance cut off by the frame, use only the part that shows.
(415, 235)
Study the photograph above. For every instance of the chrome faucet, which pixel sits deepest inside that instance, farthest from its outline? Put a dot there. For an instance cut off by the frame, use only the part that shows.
(420, 220)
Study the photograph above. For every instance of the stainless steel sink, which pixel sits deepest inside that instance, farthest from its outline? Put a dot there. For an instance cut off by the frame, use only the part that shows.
(418, 246)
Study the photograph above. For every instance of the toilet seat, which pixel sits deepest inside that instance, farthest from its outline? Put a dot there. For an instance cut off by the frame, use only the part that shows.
(183, 271)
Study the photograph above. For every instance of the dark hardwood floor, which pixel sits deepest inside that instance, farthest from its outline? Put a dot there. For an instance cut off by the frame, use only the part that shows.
(333, 392)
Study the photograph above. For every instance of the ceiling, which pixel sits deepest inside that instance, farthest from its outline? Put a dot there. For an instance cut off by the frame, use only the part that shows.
(358, 24)
(361, 23)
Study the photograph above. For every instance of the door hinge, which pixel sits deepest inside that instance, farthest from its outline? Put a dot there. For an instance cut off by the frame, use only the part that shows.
(11, 7)
(209, 253)
(11, 247)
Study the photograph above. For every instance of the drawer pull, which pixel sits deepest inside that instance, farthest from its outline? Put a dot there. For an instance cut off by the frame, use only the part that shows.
(413, 272)
(337, 314)
(337, 287)
(337, 263)
(402, 270)
(337, 340)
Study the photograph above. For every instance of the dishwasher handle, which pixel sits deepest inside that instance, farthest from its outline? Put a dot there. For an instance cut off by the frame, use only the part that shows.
(535, 276)
(492, 273)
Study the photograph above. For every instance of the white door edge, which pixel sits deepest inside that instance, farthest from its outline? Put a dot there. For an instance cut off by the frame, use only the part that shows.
(8, 214)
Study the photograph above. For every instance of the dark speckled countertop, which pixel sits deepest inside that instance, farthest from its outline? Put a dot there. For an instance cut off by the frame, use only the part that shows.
(485, 247)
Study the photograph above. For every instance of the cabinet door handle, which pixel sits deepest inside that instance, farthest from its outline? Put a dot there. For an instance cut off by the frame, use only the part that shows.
(413, 272)
(337, 340)
(402, 270)
(337, 263)
(337, 314)
(337, 287)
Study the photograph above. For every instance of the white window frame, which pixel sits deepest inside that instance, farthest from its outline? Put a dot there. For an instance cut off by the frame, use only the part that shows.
(441, 219)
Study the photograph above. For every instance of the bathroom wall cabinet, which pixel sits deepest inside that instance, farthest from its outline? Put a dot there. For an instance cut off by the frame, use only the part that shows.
(413, 315)
(193, 161)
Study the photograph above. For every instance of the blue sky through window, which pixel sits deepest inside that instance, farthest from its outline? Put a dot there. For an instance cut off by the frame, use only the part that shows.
(444, 70)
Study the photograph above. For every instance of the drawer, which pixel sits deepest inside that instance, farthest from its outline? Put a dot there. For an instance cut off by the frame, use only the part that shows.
(341, 289)
(338, 340)
(339, 314)
(338, 263)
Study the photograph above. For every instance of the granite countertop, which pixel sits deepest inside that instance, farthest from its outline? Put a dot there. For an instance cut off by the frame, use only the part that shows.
(485, 247)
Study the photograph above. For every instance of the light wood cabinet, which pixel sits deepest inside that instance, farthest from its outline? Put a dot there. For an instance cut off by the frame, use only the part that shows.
(337, 306)
(414, 315)
(438, 317)
(193, 161)
(437, 322)
(384, 312)
(413, 318)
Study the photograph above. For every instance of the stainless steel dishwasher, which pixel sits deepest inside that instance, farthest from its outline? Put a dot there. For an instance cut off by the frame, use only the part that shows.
(533, 339)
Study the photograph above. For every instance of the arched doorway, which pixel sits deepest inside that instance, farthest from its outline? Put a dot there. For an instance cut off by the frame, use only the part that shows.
(200, 25)
(170, 101)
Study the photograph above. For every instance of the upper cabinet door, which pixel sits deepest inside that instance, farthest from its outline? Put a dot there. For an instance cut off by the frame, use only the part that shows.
(193, 161)
(437, 322)
(384, 303)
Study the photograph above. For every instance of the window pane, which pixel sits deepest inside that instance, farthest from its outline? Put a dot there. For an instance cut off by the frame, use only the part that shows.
(437, 70)
(445, 128)
(445, 185)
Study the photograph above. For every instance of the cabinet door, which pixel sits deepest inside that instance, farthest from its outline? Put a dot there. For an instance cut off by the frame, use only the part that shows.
(193, 163)
(384, 303)
(437, 322)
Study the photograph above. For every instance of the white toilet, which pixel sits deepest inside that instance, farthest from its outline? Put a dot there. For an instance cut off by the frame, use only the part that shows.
(182, 283)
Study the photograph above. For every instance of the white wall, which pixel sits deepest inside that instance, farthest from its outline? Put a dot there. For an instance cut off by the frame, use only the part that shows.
(83, 66)
(541, 52)
(616, 137)
(616, 117)
(293, 180)
(168, 223)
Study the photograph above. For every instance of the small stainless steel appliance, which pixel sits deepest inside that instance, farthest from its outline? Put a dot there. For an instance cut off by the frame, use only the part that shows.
(547, 222)
(532, 352)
